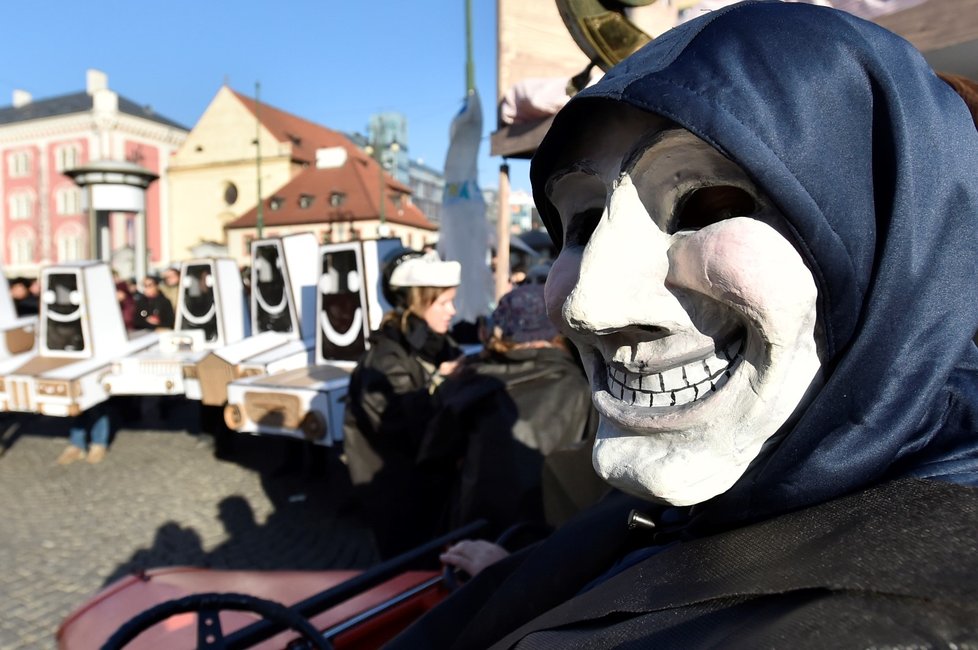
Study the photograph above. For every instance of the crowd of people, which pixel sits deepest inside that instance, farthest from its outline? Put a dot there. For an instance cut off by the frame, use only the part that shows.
(434, 440)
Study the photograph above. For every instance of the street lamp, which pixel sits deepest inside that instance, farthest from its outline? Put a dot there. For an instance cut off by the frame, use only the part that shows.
(376, 150)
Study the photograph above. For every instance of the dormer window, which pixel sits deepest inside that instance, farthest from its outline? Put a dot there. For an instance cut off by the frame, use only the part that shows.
(275, 202)
(337, 199)
(296, 140)
(305, 200)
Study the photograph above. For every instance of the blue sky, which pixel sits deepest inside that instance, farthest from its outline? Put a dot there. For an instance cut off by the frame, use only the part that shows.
(329, 61)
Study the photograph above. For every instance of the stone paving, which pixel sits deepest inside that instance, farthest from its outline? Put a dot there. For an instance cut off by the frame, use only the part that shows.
(161, 497)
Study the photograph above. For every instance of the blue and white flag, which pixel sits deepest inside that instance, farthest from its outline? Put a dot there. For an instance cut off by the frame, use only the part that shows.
(464, 233)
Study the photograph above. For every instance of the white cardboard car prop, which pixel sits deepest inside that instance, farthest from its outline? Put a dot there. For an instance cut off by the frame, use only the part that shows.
(283, 282)
(81, 334)
(210, 314)
(308, 403)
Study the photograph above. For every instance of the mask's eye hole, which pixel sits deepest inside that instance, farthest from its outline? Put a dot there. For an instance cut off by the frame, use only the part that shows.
(582, 226)
(708, 205)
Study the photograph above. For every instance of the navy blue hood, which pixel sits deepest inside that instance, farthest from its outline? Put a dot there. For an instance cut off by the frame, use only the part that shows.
(874, 162)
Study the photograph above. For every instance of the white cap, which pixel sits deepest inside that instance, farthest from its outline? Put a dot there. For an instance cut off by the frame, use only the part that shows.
(426, 271)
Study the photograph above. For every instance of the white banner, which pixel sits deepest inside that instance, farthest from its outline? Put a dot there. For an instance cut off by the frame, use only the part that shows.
(464, 234)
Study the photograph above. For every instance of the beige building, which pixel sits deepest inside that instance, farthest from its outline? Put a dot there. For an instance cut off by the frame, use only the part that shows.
(213, 177)
(214, 182)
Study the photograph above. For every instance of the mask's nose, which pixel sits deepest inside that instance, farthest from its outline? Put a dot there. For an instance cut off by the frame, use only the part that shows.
(624, 272)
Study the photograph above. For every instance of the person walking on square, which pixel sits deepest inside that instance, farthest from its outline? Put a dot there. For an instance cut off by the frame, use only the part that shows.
(88, 436)
(153, 310)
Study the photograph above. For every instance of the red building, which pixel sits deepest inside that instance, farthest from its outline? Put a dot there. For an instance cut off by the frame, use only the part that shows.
(42, 212)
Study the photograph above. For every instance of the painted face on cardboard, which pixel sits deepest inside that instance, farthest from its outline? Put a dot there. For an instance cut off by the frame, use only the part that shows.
(342, 306)
(270, 295)
(695, 316)
(63, 312)
(198, 309)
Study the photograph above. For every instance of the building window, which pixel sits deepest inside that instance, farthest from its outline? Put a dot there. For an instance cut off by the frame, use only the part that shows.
(21, 206)
(230, 193)
(305, 200)
(66, 157)
(275, 202)
(336, 199)
(22, 249)
(71, 245)
(19, 163)
(68, 200)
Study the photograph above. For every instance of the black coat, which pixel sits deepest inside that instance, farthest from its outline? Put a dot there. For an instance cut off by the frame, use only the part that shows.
(390, 402)
(500, 419)
(157, 306)
(893, 566)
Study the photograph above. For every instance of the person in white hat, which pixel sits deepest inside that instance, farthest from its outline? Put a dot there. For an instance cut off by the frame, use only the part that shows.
(392, 398)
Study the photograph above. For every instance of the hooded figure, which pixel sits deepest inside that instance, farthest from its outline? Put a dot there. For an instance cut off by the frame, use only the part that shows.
(768, 266)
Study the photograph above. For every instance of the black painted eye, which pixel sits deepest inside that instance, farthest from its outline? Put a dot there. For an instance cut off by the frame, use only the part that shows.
(582, 226)
(708, 205)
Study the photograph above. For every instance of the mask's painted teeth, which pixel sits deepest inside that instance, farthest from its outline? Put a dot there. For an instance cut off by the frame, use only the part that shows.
(676, 386)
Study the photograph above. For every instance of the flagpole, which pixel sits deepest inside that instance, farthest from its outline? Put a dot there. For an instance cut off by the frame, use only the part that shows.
(469, 62)
(260, 220)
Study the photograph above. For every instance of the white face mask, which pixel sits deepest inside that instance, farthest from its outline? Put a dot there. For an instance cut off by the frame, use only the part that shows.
(694, 315)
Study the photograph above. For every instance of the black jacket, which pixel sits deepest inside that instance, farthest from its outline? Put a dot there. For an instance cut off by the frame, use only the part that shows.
(893, 566)
(499, 421)
(389, 404)
(157, 306)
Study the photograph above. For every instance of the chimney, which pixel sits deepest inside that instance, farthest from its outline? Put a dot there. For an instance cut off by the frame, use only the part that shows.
(21, 98)
(95, 80)
(105, 101)
(330, 157)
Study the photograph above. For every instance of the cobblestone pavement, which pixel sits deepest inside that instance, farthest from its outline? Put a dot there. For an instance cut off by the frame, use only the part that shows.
(160, 497)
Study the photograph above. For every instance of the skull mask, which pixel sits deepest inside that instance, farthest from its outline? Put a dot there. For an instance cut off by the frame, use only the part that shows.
(694, 313)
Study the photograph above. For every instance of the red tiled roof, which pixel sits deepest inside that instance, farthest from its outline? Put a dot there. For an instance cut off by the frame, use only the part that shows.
(357, 180)
(306, 137)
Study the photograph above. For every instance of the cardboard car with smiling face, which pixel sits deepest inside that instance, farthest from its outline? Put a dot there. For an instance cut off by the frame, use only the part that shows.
(308, 402)
(210, 314)
(283, 285)
(81, 333)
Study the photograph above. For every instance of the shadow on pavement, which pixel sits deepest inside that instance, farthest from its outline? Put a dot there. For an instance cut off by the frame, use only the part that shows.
(311, 526)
